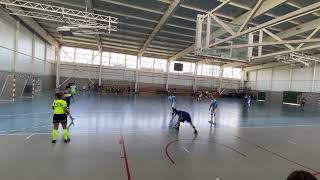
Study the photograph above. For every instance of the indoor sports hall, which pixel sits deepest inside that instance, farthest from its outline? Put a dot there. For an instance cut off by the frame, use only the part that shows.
(160, 89)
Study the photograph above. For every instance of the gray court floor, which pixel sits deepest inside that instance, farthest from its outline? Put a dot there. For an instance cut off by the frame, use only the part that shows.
(122, 137)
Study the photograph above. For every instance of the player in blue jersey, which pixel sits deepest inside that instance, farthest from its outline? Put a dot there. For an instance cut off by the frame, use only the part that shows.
(183, 116)
(67, 98)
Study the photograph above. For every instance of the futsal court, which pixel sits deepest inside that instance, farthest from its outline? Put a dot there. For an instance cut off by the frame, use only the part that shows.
(159, 89)
(255, 143)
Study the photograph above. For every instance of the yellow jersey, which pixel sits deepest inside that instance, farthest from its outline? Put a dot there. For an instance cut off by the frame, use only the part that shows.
(58, 106)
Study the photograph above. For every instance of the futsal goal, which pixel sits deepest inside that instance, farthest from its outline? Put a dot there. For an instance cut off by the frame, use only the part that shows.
(19, 86)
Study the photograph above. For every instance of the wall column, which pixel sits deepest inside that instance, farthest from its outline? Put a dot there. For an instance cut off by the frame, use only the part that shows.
(256, 84)
(290, 77)
(167, 75)
(58, 51)
(45, 57)
(100, 67)
(137, 73)
(271, 79)
(33, 63)
(195, 77)
(220, 78)
(15, 56)
(314, 76)
(243, 73)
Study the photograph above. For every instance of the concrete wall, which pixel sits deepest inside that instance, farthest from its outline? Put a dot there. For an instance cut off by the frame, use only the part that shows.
(276, 80)
(43, 63)
(125, 76)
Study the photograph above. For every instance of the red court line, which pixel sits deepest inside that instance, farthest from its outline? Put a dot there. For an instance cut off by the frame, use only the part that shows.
(315, 173)
(167, 153)
(174, 141)
(126, 162)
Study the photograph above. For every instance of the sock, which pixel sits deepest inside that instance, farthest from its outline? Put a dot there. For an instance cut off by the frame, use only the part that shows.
(54, 134)
(65, 134)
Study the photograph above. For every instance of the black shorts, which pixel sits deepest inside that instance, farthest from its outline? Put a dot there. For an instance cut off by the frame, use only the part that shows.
(188, 120)
(59, 118)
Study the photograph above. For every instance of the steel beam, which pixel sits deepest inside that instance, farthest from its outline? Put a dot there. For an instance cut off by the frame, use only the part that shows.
(301, 12)
(264, 66)
(310, 36)
(233, 64)
(277, 38)
(252, 12)
(269, 43)
(171, 9)
(285, 52)
(266, 6)
(223, 25)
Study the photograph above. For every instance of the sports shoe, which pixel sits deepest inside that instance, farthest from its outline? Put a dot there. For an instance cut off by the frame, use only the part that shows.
(195, 131)
(67, 140)
(53, 141)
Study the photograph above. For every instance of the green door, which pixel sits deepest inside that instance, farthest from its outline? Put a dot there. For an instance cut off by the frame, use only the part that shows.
(261, 96)
(291, 97)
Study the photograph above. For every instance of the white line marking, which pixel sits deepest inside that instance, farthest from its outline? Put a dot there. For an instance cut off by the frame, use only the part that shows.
(261, 127)
(24, 114)
(105, 132)
(27, 138)
(218, 178)
(291, 142)
(186, 149)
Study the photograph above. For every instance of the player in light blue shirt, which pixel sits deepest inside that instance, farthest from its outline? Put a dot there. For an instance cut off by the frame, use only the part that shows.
(173, 101)
(212, 108)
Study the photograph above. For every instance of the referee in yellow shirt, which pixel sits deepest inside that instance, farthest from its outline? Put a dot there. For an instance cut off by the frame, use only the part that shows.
(60, 116)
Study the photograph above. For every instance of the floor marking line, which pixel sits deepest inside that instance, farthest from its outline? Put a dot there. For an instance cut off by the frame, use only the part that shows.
(81, 132)
(277, 154)
(27, 138)
(291, 142)
(24, 114)
(167, 152)
(316, 174)
(125, 156)
(185, 149)
(290, 126)
(174, 141)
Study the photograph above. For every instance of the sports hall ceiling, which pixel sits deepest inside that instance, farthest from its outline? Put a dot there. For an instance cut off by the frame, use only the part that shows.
(138, 18)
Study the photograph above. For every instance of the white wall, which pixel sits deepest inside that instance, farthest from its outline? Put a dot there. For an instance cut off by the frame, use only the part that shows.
(24, 49)
(147, 77)
(278, 79)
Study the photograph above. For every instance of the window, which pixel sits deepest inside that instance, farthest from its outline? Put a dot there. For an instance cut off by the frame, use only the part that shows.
(187, 67)
(227, 72)
(160, 64)
(147, 62)
(83, 56)
(232, 73)
(105, 58)
(208, 70)
(237, 73)
(67, 54)
(216, 70)
(117, 59)
(131, 61)
(96, 58)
